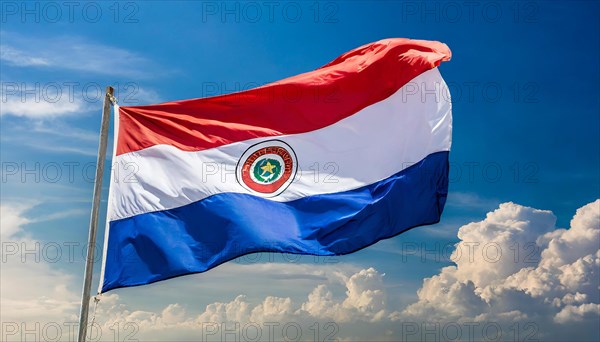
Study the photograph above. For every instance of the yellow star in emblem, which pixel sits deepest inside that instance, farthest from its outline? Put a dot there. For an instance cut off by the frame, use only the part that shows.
(268, 167)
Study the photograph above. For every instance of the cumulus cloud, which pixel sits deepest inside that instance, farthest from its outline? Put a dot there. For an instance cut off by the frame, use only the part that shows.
(364, 301)
(514, 266)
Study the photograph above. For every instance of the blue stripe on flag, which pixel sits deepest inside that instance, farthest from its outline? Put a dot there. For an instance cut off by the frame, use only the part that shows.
(199, 236)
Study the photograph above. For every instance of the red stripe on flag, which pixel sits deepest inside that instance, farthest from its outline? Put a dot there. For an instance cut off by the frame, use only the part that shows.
(298, 104)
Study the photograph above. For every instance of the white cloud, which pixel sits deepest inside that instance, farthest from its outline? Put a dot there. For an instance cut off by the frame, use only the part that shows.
(35, 102)
(19, 58)
(543, 275)
(48, 133)
(31, 290)
(64, 130)
(39, 108)
(571, 313)
(364, 301)
(73, 53)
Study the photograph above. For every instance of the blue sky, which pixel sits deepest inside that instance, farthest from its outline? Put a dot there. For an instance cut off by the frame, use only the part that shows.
(523, 76)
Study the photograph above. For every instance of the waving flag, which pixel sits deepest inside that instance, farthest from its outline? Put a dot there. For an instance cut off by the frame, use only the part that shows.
(324, 163)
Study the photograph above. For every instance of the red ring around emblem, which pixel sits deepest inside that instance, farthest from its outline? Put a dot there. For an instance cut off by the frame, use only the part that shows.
(288, 163)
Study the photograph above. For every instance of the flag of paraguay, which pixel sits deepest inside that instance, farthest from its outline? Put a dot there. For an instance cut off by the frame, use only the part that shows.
(324, 163)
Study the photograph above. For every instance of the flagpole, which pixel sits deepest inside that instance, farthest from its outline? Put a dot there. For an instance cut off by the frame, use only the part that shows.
(89, 262)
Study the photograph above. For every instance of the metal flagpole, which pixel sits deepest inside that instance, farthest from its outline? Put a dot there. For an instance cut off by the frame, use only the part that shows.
(89, 263)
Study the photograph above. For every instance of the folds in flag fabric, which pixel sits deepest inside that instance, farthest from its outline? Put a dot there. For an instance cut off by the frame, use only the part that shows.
(323, 163)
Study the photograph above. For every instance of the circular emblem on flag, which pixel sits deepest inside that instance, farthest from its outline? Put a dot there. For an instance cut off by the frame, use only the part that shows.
(267, 168)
